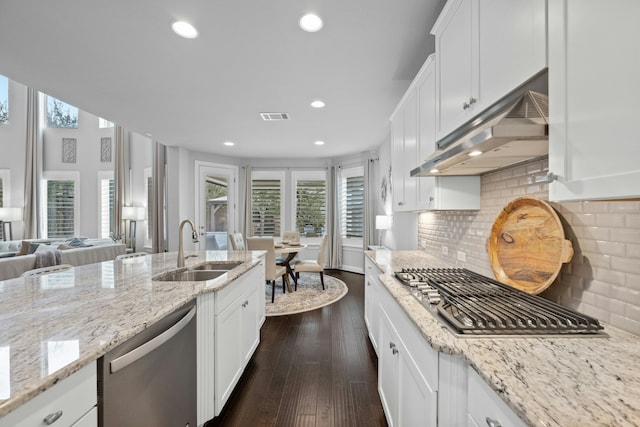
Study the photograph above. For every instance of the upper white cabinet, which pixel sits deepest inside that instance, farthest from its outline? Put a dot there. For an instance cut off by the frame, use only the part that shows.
(594, 64)
(484, 49)
(403, 154)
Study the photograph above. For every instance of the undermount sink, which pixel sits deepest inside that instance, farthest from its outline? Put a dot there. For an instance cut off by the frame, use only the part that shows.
(190, 275)
(217, 265)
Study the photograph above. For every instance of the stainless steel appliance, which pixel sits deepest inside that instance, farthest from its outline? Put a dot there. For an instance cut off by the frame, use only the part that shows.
(474, 305)
(150, 380)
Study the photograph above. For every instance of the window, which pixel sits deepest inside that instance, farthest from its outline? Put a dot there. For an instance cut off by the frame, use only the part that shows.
(310, 202)
(352, 202)
(60, 204)
(105, 179)
(4, 187)
(266, 203)
(60, 114)
(4, 100)
(104, 123)
(148, 179)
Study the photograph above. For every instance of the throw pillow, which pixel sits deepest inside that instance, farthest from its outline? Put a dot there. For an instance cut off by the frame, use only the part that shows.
(24, 247)
(32, 248)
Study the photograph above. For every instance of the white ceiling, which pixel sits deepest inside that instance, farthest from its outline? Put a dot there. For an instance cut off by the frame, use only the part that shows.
(119, 59)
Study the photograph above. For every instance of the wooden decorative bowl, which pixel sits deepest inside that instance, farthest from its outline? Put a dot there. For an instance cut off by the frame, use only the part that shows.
(526, 245)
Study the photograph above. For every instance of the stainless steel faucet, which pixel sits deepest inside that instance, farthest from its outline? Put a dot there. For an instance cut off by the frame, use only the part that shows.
(194, 237)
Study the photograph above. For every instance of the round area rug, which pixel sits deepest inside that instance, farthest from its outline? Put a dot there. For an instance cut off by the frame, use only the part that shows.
(309, 295)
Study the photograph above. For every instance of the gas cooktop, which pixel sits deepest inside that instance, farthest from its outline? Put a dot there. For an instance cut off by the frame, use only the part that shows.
(474, 305)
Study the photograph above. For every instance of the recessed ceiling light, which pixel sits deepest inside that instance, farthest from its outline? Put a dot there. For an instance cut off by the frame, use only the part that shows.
(318, 104)
(319, 142)
(475, 153)
(184, 29)
(311, 22)
(434, 171)
(229, 143)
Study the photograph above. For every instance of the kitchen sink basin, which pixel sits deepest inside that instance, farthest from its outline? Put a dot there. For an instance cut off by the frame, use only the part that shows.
(217, 265)
(190, 275)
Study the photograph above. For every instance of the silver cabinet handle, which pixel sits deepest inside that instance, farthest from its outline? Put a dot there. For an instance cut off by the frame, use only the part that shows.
(146, 348)
(52, 418)
(493, 423)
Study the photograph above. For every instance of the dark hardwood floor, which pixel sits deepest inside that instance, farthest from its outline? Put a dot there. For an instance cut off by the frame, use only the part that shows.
(311, 369)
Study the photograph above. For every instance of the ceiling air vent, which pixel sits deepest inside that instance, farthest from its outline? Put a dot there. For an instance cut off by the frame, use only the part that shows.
(269, 117)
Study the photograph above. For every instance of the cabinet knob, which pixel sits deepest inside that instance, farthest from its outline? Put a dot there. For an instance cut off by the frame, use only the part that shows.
(552, 177)
(391, 345)
(472, 100)
(493, 423)
(246, 303)
(466, 105)
(52, 418)
(395, 351)
(400, 203)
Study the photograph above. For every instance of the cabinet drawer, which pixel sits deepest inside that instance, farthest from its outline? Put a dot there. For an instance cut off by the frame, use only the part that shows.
(240, 286)
(90, 419)
(74, 396)
(486, 406)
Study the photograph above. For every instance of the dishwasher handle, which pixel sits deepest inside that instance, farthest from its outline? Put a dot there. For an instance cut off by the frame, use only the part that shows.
(127, 359)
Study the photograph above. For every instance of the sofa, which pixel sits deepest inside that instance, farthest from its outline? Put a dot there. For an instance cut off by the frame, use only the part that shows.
(86, 251)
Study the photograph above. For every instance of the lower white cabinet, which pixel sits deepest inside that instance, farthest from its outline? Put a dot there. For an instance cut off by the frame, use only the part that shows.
(372, 290)
(71, 402)
(407, 397)
(229, 324)
(485, 406)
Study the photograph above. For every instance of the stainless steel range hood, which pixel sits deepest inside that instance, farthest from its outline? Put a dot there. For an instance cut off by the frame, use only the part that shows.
(512, 130)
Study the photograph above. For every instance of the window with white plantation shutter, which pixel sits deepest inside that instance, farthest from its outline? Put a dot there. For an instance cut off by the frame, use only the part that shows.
(266, 204)
(106, 203)
(149, 189)
(60, 205)
(310, 202)
(352, 202)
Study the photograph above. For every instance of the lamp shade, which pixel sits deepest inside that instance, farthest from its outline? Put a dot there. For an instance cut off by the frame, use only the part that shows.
(383, 222)
(10, 214)
(133, 213)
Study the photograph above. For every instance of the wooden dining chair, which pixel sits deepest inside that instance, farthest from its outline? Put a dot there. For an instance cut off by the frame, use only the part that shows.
(271, 270)
(291, 236)
(313, 266)
(237, 241)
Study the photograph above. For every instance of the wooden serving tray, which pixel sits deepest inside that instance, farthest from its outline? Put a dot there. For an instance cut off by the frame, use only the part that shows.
(526, 245)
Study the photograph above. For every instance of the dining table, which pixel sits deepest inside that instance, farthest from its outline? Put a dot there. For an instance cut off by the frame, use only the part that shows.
(290, 250)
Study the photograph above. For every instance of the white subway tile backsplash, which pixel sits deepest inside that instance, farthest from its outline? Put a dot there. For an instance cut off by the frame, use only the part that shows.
(602, 279)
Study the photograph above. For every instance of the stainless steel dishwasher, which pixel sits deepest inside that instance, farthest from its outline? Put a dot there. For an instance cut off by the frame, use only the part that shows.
(150, 380)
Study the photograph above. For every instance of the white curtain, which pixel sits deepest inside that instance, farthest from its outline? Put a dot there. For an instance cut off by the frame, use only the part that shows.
(159, 173)
(245, 214)
(333, 217)
(120, 180)
(33, 168)
(370, 197)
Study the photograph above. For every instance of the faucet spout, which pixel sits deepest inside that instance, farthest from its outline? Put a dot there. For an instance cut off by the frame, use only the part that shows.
(194, 237)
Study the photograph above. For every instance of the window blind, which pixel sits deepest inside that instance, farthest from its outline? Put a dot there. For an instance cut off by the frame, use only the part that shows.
(265, 207)
(60, 208)
(106, 206)
(352, 207)
(311, 207)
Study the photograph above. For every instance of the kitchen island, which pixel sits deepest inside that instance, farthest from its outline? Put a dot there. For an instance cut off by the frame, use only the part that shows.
(551, 381)
(54, 325)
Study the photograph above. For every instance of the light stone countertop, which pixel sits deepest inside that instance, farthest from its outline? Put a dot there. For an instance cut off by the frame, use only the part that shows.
(53, 325)
(562, 382)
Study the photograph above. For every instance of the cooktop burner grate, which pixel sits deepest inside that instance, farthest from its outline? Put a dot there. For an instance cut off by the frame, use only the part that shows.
(476, 305)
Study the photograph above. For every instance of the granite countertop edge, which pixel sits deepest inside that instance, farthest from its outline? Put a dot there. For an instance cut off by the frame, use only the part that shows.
(159, 264)
(573, 381)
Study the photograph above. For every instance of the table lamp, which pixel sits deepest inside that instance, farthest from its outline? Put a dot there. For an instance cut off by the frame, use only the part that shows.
(383, 222)
(8, 215)
(132, 214)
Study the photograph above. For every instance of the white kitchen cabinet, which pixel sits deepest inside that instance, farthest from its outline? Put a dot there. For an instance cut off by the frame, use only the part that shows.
(438, 193)
(484, 49)
(372, 290)
(237, 331)
(228, 325)
(407, 366)
(403, 154)
(407, 397)
(593, 99)
(72, 400)
(485, 406)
